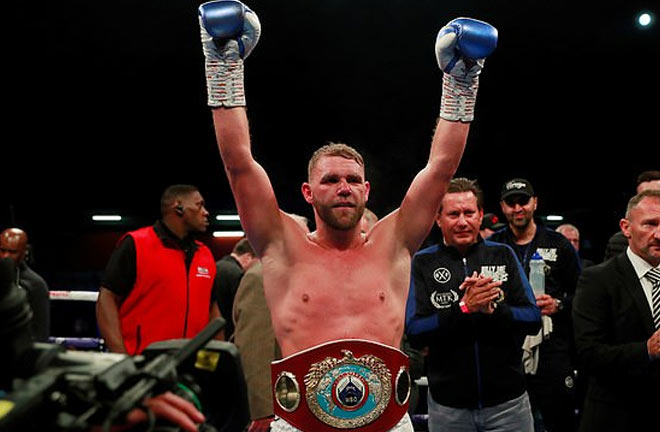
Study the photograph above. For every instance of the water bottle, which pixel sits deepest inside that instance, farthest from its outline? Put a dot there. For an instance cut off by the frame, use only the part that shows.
(537, 274)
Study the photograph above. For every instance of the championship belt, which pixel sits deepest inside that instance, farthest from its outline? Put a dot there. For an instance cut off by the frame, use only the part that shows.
(346, 384)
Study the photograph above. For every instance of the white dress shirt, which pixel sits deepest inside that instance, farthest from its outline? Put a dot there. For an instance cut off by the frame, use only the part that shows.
(641, 268)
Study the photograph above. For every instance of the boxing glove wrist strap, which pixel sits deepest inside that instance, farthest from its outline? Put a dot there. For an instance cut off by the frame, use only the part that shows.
(459, 96)
(224, 83)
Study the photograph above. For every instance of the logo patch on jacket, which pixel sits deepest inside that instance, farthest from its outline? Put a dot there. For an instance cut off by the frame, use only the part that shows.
(203, 272)
(548, 254)
(443, 300)
(497, 272)
(441, 275)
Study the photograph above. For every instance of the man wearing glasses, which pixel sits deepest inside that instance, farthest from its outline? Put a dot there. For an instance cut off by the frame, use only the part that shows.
(550, 380)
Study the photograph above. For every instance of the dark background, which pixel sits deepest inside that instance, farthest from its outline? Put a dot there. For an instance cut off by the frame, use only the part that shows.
(106, 106)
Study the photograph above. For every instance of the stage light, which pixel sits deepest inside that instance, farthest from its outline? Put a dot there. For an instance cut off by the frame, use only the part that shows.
(227, 217)
(645, 19)
(228, 234)
(106, 218)
(555, 218)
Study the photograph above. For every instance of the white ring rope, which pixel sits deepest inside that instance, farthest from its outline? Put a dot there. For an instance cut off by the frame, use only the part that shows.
(90, 296)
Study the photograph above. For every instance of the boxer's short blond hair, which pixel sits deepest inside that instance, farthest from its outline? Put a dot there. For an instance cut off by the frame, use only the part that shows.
(334, 149)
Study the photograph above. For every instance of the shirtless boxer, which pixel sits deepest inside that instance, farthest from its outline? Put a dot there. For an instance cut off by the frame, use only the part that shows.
(337, 296)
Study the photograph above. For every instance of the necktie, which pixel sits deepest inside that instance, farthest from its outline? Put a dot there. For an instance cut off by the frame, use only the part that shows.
(654, 276)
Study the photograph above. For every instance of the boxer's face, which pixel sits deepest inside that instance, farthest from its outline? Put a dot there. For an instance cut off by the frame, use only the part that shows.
(460, 219)
(642, 227)
(337, 191)
(519, 209)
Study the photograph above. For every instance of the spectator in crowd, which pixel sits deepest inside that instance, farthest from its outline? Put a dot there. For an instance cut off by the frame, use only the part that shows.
(489, 225)
(471, 304)
(14, 245)
(158, 284)
(368, 220)
(551, 379)
(616, 315)
(619, 242)
(229, 271)
(572, 234)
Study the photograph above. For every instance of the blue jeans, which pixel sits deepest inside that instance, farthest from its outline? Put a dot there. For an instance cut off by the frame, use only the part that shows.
(511, 416)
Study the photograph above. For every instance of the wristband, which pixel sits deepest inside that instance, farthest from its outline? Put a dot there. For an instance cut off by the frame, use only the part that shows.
(463, 307)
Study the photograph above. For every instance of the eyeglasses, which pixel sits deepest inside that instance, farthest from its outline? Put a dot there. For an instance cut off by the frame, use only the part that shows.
(521, 200)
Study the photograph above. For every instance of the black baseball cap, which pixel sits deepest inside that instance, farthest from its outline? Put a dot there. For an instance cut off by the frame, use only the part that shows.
(492, 222)
(517, 186)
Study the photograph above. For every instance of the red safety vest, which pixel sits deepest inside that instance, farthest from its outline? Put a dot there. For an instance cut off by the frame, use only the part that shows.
(166, 302)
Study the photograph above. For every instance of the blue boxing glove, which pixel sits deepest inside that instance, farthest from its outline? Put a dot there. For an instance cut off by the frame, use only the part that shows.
(461, 48)
(230, 31)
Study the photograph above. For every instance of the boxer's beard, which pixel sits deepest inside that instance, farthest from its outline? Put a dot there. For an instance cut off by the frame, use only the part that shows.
(327, 215)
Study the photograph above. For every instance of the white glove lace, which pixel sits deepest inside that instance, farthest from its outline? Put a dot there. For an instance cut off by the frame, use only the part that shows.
(224, 83)
(459, 96)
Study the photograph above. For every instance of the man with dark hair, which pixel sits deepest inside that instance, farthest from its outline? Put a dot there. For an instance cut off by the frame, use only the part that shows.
(648, 180)
(471, 304)
(158, 283)
(172, 195)
(549, 358)
(489, 225)
(616, 314)
(618, 243)
(229, 271)
(14, 245)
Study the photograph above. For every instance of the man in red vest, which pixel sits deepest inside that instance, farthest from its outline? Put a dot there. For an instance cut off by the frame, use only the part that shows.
(158, 282)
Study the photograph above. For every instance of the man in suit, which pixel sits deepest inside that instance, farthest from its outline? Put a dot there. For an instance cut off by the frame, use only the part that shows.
(228, 273)
(618, 242)
(617, 333)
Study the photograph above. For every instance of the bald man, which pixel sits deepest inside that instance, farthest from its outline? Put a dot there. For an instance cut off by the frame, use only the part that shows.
(13, 244)
(368, 220)
(572, 234)
(617, 244)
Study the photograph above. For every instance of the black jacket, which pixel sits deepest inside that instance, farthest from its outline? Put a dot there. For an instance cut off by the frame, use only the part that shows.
(613, 321)
(38, 297)
(615, 245)
(561, 275)
(475, 360)
(227, 278)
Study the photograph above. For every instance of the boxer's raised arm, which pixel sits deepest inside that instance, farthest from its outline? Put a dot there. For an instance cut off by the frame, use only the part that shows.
(461, 47)
(229, 32)
(252, 190)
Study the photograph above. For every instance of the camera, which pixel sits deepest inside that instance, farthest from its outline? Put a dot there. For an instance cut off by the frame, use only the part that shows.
(48, 388)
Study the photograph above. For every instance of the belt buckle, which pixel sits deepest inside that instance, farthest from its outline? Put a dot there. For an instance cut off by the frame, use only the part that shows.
(348, 392)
